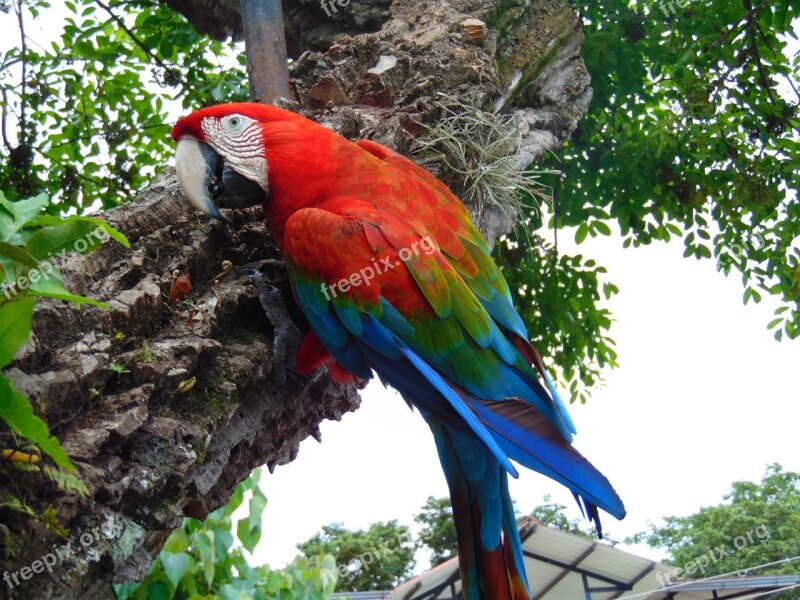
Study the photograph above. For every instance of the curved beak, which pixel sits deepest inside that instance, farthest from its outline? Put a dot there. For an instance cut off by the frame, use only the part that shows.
(210, 183)
(196, 163)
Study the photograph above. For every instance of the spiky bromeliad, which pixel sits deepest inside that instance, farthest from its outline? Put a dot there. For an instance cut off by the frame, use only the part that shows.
(438, 325)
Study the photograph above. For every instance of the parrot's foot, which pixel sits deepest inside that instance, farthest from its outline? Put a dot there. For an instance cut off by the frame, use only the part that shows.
(287, 338)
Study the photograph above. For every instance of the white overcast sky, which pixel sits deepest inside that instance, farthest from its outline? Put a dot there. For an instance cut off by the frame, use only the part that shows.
(704, 396)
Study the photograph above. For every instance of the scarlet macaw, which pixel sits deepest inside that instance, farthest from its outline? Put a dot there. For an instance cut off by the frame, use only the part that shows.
(395, 279)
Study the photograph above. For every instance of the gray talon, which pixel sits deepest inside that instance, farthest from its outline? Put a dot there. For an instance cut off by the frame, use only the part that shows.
(287, 338)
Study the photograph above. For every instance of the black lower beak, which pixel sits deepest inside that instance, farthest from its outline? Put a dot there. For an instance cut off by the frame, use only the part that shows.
(230, 189)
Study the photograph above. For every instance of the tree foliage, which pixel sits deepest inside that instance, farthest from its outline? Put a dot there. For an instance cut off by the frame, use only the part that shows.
(378, 558)
(202, 561)
(32, 246)
(86, 116)
(560, 297)
(693, 132)
(757, 524)
(436, 518)
(553, 515)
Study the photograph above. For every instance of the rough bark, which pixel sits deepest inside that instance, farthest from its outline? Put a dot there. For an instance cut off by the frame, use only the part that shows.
(151, 454)
(517, 57)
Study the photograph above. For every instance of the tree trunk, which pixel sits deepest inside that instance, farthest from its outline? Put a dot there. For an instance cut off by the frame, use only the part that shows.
(198, 409)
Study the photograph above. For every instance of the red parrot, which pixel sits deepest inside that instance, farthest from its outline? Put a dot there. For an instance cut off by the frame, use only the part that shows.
(395, 279)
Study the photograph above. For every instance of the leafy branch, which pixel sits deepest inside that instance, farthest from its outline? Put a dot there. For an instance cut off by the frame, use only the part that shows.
(151, 55)
(28, 242)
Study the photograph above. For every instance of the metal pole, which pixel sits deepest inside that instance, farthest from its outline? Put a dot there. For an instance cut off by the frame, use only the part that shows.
(265, 44)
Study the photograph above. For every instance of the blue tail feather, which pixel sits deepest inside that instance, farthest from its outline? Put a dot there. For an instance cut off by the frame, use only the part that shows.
(489, 550)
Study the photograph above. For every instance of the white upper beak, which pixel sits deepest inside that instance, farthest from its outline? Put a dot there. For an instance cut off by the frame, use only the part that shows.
(195, 164)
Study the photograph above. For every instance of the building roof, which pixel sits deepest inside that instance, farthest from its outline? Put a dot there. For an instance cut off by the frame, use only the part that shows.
(563, 566)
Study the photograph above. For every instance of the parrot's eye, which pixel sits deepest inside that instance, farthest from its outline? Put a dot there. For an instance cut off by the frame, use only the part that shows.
(234, 124)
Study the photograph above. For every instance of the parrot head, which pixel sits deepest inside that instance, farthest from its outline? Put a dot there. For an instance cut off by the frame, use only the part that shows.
(220, 159)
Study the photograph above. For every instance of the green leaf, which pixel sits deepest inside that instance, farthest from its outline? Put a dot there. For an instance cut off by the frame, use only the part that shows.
(774, 323)
(51, 287)
(67, 481)
(15, 327)
(77, 236)
(159, 590)
(602, 228)
(17, 412)
(18, 254)
(175, 566)
(125, 590)
(46, 220)
(205, 541)
(229, 592)
(15, 215)
(274, 582)
(176, 542)
(286, 594)
(223, 541)
(15, 504)
(581, 233)
(248, 530)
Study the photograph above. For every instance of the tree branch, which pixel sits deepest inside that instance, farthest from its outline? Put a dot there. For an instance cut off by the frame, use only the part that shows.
(752, 28)
(153, 57)
(265, 44)
(6, 143)
(23, 129)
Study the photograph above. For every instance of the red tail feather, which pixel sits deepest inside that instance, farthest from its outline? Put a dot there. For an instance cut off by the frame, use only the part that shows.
(528, 352)
(312, 355)
(498, 576)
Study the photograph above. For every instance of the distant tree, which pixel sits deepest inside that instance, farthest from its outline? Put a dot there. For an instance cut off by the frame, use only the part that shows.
(439, 529)
(757, 524)
(379, 558)
(552, 515)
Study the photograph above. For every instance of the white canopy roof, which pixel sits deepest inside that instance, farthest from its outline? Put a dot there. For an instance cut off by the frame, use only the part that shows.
(563, 566)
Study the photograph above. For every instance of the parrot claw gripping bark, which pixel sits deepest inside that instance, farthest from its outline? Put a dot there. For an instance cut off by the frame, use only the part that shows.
(395, 279)
(287, 338)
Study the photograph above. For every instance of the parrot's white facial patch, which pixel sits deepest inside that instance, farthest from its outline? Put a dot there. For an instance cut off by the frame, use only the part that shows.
(238, 140)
